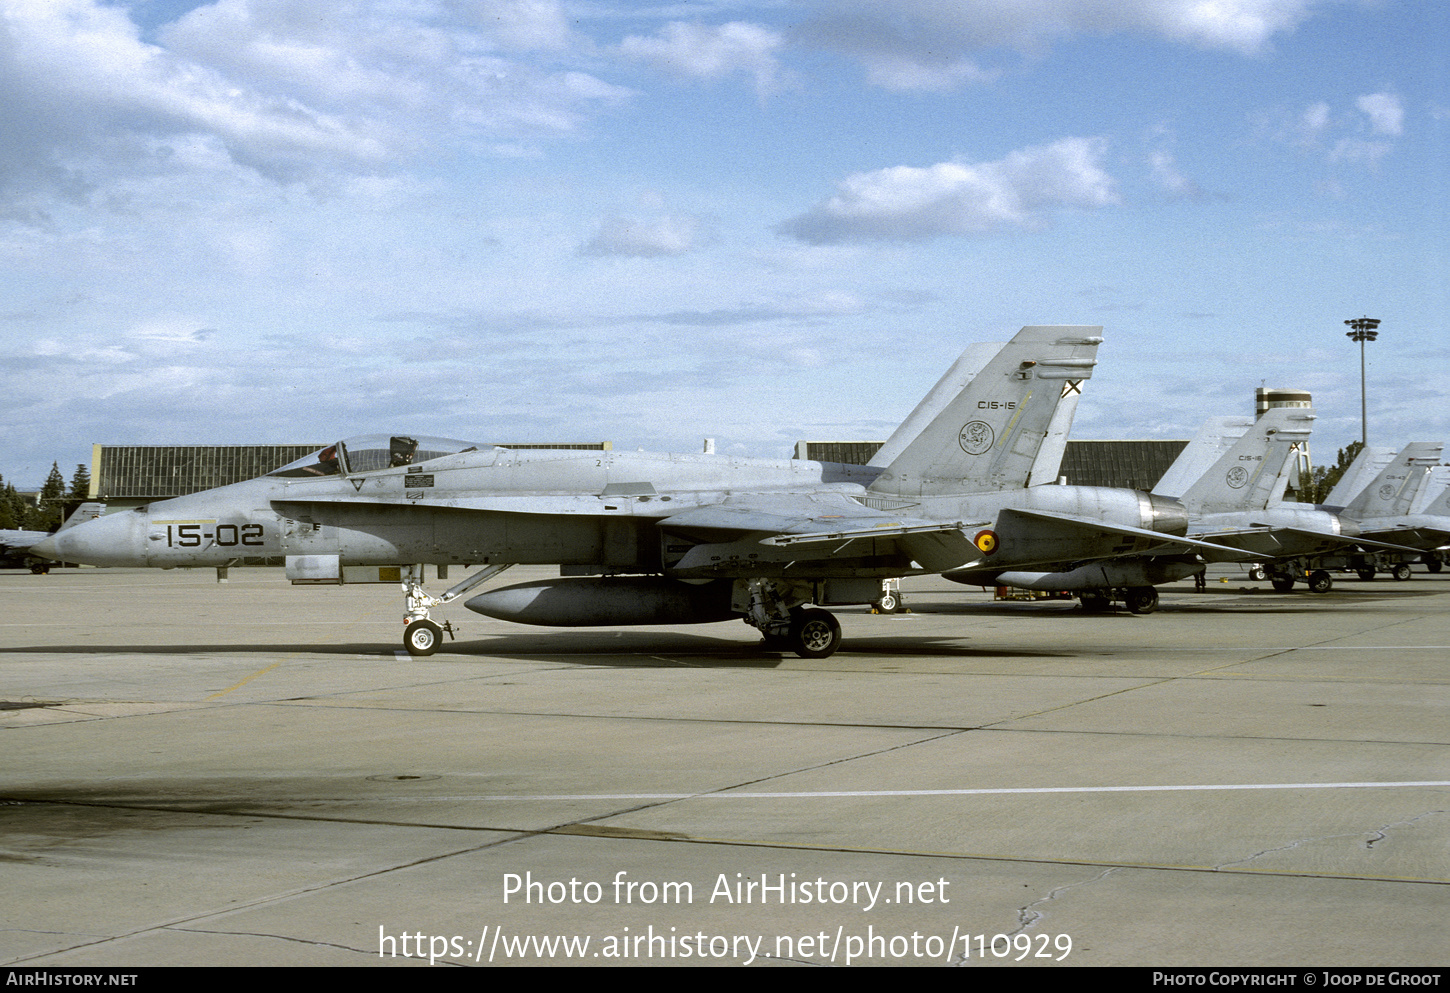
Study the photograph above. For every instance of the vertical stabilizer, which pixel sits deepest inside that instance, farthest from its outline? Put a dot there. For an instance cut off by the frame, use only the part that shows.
(1368, 464)
(1393, 491)
(1439, 505)
(956, 379)
(990, 434)
(1215, 437)
(1250, 475)
(1434, 496)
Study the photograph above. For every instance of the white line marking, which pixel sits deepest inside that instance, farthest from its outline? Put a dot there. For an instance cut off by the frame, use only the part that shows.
(968, 792)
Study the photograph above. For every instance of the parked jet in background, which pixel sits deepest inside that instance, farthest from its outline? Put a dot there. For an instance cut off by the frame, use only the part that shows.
(15, 546)
(1224, 484)
(1239, 502)
(676, 538)
(1386, 510)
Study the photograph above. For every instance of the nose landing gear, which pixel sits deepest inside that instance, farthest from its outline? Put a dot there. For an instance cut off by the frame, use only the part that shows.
(421, 636)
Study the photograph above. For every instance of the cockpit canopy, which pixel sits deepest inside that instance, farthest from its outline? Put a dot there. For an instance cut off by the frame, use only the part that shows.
(370, 452)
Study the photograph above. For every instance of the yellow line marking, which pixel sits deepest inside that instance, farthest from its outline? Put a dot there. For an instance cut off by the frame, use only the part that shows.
(237, 686)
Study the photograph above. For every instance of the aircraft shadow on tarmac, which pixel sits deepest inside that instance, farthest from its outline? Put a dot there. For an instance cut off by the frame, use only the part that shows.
(621, 649)
(1245, 600)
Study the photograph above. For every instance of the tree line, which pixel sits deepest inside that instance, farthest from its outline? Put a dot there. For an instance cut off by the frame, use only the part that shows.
(56, 501)
(1314, 485)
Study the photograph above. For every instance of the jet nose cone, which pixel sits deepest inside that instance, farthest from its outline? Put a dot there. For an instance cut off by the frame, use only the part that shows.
(45, 549)
(110, 540)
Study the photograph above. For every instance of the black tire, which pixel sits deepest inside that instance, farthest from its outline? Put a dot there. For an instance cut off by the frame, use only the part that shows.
(1433, 564)
(815, 634)
(1257, 574)
(889, 603)
(422, 637)
(1141, 599)
(1365, 574)
(1282, 583)
(1401, 572)
(1320, 581)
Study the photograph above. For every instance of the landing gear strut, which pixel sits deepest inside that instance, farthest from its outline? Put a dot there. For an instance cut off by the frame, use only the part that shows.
(776, 611)
(1138, 600)
(421, 636)
(1141, 599)
(890, 600)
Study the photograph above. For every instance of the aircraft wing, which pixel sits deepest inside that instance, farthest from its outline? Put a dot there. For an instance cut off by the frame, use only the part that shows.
(797, 518)
(1168, 542)
(1427, 537)
(20, 540)
(1359, 541)
(822, 526)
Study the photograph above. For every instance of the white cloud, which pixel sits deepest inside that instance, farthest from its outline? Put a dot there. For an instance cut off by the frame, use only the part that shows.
(921, 43)
(1318, 129)
(1314, 121)
(287, 90)
(905, 203)
(1167, 175)
(1385, 112)
(894, 72)
(712, 52)
(643, 238)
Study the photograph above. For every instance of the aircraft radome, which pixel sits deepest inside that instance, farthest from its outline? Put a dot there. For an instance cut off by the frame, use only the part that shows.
(679, 538)
(15, 545)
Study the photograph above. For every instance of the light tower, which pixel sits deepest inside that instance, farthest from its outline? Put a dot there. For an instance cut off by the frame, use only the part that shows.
(1364, 330)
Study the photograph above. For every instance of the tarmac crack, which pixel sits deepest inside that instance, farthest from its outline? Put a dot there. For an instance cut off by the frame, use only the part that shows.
(1372, 837)
(312, 943)
(1029, 916)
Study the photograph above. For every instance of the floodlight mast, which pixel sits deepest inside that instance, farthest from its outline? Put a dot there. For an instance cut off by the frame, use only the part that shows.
(1364, 330)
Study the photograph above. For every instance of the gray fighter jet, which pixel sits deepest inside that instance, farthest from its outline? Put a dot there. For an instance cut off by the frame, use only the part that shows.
(1226, 485)
(16, 545)
(1391, 509)
(670, 538)
(1230, 479)
(1239, 502)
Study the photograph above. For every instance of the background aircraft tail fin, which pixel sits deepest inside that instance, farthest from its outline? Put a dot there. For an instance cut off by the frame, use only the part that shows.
(1393, 491)
(85, 512)
(1215, 437)
(1438, 505)
(1253, 473)
(989, 435)
(1366, 466)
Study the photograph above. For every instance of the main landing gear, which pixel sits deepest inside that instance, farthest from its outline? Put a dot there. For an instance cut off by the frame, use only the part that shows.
(786, 625)
(1138, 600)
(1318, 581)
(421, 635)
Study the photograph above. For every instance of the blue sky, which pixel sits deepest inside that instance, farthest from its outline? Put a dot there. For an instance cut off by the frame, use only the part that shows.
(264, 221)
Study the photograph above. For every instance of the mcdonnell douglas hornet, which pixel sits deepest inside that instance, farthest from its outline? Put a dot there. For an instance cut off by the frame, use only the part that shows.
(671, 538)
